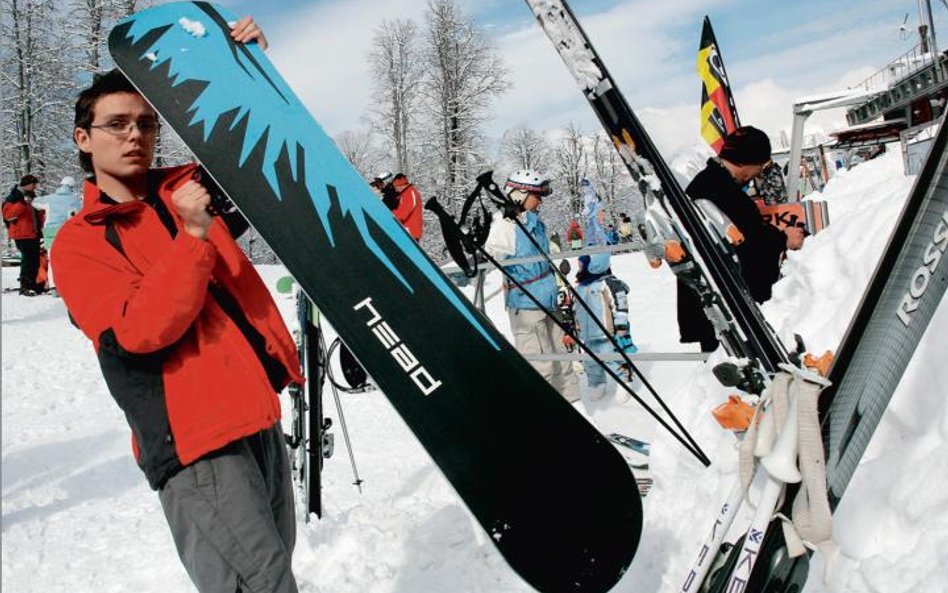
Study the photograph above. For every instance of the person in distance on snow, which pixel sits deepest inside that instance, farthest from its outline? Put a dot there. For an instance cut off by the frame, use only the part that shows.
(408, 211)
(574, 235)
(403, 199)
(382, 185)
(625, 228)
(25, 226)
(190, 342)
(534, 332)
(745, 153)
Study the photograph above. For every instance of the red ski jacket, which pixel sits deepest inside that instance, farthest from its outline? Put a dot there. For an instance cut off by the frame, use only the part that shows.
(26, 222)
(178, 325)
(409, 211)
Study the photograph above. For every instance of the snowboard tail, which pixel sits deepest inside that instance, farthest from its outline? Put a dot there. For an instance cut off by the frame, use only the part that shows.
(464, 392)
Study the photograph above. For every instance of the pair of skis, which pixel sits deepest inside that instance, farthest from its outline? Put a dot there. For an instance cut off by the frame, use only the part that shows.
(310, 440)
(902, 297)
(699, 259)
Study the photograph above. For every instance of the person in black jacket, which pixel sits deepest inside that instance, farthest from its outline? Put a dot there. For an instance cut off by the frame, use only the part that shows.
(745, 153)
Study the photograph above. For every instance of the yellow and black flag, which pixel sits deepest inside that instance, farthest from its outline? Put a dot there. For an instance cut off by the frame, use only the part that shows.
(718, 112)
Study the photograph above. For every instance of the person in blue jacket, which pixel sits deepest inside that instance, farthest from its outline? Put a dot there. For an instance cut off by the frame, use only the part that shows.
(607, 299)
(533, 330)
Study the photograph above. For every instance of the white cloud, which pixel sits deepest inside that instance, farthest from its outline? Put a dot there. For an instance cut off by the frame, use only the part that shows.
(635, 40)
(323, 51)
(651, 53)
(649, 47)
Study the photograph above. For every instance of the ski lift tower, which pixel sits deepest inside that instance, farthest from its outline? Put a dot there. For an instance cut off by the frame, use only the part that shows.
(803, 108)
(912, 88)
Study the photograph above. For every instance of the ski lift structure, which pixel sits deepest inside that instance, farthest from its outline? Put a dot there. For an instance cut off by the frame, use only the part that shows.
(908, 94)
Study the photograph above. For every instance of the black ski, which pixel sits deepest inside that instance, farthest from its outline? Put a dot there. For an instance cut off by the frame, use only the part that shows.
(707, 264)
(310, 441)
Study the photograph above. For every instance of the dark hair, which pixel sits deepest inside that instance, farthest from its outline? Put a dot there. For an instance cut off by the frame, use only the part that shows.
(28, 179)
(109, 83)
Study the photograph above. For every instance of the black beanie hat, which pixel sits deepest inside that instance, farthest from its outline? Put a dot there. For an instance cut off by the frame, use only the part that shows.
(746, 146)
(28, 179)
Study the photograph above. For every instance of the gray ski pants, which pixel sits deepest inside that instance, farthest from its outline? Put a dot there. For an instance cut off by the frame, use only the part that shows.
(535, 333)
(231, 517)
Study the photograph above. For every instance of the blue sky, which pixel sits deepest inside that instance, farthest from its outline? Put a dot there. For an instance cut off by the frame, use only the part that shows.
(775, 51)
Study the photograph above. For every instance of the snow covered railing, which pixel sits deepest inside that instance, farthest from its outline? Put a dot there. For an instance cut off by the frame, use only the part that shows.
(564, 254)
(638, 356)
(896, 70)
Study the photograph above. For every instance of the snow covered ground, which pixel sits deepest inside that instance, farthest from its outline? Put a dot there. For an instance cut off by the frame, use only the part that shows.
(77, 514)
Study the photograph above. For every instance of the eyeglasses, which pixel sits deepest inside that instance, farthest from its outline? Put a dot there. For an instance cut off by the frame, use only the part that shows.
(121, 129)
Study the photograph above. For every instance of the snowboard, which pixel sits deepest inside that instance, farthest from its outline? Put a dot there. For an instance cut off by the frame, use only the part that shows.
(557, 500)
(810, 215)
(636, 453)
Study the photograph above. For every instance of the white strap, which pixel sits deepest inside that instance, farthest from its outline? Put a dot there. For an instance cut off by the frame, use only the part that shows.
(745, 451)
(775, 398)
(811, 512)
(795, 545)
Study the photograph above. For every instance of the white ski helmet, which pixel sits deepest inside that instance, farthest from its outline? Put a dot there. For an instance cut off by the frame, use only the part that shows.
(528, 180)
(383, 178)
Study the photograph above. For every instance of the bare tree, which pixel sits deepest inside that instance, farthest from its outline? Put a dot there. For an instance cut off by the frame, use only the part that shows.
(570, 158)
(611, 176)
(48, 51)
(359, 148)
(396, 73)
(90, 22)
(35, 86)
(127, 7)
(89, 17)
(463, 73)
(526, 148)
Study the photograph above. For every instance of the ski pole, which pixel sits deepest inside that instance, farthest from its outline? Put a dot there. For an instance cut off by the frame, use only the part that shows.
(342, 421)
(435, 207)
(780, 467)
(487, 181)
(712, 543)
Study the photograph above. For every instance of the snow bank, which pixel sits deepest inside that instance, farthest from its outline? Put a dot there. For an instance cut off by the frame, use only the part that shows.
(78, 514)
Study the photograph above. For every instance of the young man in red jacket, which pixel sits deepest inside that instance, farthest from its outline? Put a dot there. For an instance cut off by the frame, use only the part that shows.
(190, 343)
(25, 226)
